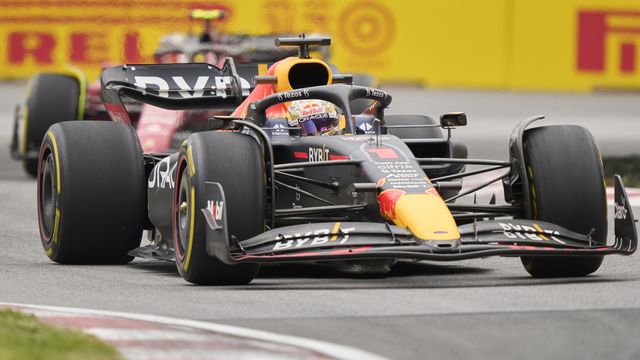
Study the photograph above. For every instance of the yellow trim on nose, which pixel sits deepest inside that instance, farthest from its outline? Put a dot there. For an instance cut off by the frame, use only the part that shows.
(426, 216)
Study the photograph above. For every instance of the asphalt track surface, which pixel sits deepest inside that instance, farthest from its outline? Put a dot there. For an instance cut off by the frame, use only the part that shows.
(486, 308)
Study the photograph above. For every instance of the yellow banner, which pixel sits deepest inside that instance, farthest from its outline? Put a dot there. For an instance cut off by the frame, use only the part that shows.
(574, 45)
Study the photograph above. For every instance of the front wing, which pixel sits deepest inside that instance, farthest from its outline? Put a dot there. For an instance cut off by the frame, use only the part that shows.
(361, 240)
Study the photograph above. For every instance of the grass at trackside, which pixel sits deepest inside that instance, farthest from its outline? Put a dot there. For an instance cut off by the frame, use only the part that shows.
(628, 167)
(25, 337)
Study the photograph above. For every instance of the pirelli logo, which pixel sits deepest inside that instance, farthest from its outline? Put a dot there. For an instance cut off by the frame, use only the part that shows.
(608, 41)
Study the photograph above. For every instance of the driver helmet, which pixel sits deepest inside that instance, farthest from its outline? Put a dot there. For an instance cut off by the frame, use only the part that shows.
(315, 117)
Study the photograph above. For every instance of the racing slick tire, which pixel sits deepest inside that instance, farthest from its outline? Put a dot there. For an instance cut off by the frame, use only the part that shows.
(52, 98)
(91, 192)
(567, 188)
(413, 133)
(235, 161)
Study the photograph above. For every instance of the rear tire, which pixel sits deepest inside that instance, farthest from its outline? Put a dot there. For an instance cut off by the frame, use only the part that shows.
(95, 213)
(53, 98)
(236, 162)
(565, 173)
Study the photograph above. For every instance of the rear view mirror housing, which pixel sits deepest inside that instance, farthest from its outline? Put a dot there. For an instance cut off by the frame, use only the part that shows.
(453, 119)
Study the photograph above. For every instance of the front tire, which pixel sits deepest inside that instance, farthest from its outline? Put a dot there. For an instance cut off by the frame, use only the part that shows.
(236, 162)
(91, 192)
(567, 186)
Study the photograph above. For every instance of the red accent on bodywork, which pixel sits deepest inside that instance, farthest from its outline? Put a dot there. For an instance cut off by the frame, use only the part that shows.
(384, 153)
(300, 155)
(118, 113)
(338, 157)
(387, 201)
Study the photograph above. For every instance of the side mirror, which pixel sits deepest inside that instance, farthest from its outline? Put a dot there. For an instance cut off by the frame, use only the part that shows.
(453, 119)
(221, 122)
(215, 124)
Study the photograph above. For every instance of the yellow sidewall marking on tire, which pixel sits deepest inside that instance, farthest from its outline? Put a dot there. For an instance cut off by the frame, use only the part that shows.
(26, 118)
(78, 75)
(192, 214)
(55, 154)
(190, 163)
(49, 251)
(55, 227)
(25, 122)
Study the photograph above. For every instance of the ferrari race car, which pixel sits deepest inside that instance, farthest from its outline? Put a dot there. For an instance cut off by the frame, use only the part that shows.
(260, 187)
(66, 95)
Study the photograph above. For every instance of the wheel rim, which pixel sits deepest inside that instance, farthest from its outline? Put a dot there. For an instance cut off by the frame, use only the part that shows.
(48, 201)
(183, 213)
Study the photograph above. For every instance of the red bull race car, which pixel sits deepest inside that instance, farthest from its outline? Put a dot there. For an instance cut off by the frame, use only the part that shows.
(293, 174)
(66, 95)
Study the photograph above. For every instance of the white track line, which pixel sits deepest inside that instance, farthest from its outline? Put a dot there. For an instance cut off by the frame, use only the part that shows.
(326, 348)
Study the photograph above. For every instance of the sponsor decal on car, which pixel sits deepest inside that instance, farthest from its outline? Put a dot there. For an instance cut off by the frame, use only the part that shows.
(403, 175)
(313, 238)
(318, 154)
(375, 93)
(620, 211)
(311, 108)
(163, 175)
(294, 94)
(367, 129)
(280, 130)
(315, 154)
(213, 213)
(160, 86)
(525, 232)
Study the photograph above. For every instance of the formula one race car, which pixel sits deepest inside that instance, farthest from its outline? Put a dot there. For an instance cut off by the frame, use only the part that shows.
(66, 95)
(293, 175)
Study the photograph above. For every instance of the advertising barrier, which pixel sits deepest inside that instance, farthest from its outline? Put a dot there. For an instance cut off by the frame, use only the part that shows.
(571, 45)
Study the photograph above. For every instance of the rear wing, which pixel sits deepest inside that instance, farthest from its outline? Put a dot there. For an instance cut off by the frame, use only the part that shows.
(177, 86)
